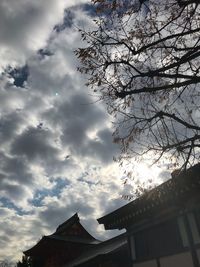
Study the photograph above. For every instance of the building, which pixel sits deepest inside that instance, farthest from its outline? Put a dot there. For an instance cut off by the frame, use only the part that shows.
(111, 253)
(163, 225)
(72, 246)
(69, 241)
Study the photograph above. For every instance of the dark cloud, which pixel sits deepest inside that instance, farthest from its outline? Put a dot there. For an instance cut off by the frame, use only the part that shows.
(80, 107)
(15, 180)
(14, 193)
(77, 118)
(34, 144)
(9, 125)
(20, 75)
(80, 117)
(67, 21)
(89, 9)
(15, 169)
(102, 147)
(45, 53)
(56, 215)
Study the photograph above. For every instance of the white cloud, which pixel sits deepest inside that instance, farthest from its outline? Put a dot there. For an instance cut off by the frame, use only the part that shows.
(26, 27)
(56, 145)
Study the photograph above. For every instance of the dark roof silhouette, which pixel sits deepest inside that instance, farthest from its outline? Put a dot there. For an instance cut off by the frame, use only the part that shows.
(68, 233)
(108, 247)
(174, 195)
(68, 223)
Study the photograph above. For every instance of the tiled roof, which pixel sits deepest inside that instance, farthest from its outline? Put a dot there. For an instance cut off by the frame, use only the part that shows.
(104, 248)
(68, 223)
(74, 239)
(63, 237)
(175, 194)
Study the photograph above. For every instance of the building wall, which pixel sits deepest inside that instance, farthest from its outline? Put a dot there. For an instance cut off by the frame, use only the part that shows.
(198, 254)
(183, 260)
(171, 244)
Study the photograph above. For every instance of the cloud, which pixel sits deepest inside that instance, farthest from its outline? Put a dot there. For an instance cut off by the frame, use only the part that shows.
(56, 143)
(102, 146)
(34, 144)
(70, 15)
(10, 124)
(19, 75)
(26, 27)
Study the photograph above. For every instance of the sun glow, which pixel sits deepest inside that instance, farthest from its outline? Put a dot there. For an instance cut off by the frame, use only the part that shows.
(138, 176)
(146, 172)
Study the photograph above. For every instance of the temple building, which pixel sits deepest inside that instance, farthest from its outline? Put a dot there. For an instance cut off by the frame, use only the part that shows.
(163, 225)
(71, 245)
(69, 241)
(111, 253)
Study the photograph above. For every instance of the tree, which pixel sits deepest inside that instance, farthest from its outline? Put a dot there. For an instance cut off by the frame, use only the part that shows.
(143, 59)
(25, 262)
(30, 262)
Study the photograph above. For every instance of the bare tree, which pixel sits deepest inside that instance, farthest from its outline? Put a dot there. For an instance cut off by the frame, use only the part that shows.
(143, 58)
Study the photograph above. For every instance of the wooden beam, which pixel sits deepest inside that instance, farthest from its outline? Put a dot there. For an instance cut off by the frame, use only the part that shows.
(191, 242)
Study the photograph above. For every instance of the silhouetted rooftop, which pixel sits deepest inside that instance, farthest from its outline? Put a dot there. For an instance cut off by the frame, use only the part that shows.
(177, 194)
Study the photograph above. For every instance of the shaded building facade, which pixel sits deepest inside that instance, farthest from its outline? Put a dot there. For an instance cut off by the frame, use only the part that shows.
(163, 225)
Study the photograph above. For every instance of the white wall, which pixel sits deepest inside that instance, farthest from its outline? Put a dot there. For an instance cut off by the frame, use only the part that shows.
(179, 260)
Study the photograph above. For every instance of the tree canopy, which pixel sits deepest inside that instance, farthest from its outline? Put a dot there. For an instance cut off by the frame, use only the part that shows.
(143, 59)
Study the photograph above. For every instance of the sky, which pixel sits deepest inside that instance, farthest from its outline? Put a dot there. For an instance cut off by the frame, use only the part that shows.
(56, 153)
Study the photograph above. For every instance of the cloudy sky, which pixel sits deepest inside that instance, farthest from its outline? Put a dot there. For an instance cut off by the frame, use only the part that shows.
(56, 153)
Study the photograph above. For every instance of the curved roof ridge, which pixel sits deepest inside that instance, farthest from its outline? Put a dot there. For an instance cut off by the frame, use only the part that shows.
(68, 222)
